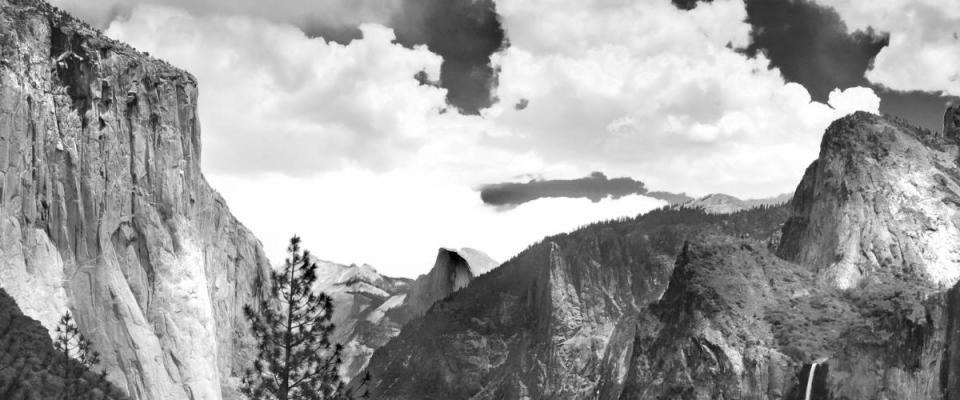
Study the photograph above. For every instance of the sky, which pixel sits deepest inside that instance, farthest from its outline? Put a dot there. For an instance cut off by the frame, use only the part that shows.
(372, 128)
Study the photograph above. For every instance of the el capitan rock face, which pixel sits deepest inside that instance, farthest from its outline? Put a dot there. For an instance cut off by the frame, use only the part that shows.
(104, 209)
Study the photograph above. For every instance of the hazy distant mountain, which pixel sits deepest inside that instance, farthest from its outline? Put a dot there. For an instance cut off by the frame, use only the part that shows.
(361, 298)
(370, 308)
(719, 203)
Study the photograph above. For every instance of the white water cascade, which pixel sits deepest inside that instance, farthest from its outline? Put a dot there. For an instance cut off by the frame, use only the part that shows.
(813, 368)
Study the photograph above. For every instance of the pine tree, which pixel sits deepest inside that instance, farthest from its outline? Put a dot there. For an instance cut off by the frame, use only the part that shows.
(76, 360)
(296, 359)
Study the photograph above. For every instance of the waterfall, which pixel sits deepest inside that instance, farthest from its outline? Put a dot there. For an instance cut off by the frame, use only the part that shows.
(813, 368)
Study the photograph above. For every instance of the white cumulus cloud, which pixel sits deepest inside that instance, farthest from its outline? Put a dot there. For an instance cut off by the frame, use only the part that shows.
(924, 50)
(383, 173)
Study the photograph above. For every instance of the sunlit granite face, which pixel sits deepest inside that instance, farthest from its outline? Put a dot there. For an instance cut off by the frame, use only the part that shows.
(105, 212)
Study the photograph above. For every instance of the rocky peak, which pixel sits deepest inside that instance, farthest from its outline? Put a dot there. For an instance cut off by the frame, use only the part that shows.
(951, 122)
(479, 262)
(450, 273)
(879, 203)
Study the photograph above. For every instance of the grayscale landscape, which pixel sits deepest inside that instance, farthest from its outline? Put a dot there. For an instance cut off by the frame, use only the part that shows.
(479, 199)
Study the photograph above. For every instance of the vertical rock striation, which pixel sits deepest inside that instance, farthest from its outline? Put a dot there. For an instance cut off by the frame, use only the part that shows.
(104, 209)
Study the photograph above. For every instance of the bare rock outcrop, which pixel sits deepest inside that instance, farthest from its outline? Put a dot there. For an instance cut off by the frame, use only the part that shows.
(363, 300)
(951, 123)
(104, 209)
(450, 273)
(880, 201)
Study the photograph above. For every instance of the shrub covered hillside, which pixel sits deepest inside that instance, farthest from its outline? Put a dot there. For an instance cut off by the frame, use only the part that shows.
(30, 367)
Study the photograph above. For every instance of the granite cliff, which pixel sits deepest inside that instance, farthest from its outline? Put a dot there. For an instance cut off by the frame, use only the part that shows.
(880, 201)
(104, 210)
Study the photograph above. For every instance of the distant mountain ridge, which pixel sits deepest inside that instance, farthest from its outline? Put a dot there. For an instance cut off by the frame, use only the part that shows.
(719, 203)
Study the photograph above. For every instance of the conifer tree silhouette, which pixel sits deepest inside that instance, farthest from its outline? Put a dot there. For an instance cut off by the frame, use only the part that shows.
(76, 360)
(295, 360)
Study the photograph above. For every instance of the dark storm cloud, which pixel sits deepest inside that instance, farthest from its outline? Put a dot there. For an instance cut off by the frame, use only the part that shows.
(594, 187)
(464, 32)
(811, 45)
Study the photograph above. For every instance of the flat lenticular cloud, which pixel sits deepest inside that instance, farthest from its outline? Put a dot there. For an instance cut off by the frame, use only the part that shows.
(594, 187)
